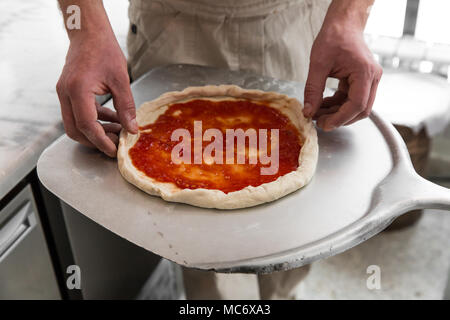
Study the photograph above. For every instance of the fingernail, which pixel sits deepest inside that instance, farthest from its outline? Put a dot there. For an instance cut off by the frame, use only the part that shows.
(307, 109)
(111, 154)
(134, 125)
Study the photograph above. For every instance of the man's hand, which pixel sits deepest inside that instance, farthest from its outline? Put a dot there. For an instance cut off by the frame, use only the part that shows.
(339, 51)
(95, 65)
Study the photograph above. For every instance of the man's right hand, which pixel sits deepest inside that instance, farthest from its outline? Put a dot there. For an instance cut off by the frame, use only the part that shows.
(95, 65)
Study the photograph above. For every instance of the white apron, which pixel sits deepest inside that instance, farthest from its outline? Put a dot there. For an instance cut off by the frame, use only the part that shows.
(269, 37)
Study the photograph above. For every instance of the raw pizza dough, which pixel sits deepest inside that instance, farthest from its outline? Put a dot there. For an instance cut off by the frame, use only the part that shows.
(208, 198)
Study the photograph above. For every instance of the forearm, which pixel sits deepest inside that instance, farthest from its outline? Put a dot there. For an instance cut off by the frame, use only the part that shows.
(349, 12)
(93, 18)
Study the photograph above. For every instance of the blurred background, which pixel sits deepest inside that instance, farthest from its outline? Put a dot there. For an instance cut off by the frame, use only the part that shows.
(409, 38)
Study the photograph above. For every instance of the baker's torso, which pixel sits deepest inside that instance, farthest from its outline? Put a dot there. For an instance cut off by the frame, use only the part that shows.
(268, 37)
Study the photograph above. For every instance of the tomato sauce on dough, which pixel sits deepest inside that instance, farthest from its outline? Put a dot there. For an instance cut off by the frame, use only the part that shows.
(151, 154)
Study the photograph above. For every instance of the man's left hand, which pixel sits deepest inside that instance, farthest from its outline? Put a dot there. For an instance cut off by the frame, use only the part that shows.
(340, 51)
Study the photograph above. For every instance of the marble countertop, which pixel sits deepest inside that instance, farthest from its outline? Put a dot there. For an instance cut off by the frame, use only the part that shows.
(33, 45)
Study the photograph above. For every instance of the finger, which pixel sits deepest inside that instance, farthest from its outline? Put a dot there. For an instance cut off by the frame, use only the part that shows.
(85, 115)
(323, 111)
(359, 117)
(366, 113)
(112, 131)
(373, 90)
(113, 137)
(356, 103)
(112, 127)
(315, 85)
(124, 104)
(69, 121)
(106, 114)
(338, 98)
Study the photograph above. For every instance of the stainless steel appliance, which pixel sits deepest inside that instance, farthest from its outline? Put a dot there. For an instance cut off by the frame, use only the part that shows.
(26, 271)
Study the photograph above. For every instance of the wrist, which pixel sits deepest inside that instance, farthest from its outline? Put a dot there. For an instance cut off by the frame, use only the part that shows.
(92, 17)
(94, 34)
(348, 15)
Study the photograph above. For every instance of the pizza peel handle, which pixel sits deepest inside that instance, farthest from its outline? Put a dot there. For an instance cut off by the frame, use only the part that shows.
(403, 189)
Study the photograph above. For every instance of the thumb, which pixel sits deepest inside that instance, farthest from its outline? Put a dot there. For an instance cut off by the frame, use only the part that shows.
(124, 105)
(315, 85)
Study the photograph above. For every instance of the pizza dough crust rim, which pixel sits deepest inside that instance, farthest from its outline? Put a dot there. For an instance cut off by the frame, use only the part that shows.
(209, 198)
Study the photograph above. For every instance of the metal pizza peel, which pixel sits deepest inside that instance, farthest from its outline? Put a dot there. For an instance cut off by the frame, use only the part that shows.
(364, 180)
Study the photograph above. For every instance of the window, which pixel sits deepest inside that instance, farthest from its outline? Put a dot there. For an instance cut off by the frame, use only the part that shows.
(387, 18)
(433, 23)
